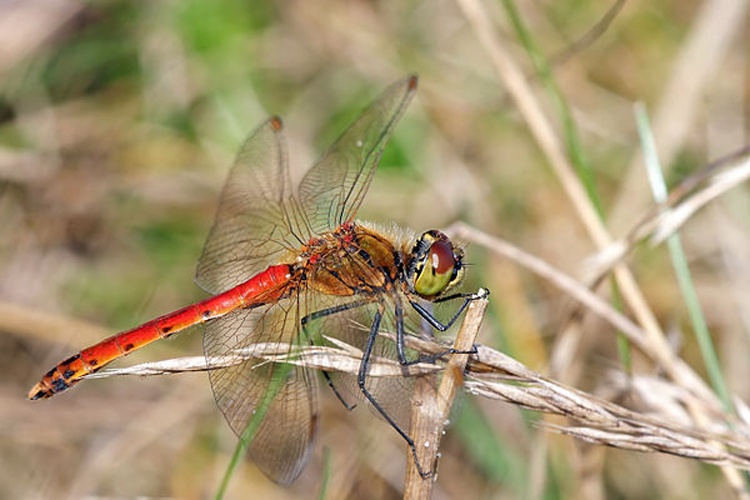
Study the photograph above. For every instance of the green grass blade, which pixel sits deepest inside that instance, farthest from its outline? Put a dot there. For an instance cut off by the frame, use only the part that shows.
(544, 72)
(679, 262)
(280, 375)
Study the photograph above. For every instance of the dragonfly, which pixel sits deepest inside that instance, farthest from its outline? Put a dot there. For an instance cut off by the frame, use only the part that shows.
(277, 262)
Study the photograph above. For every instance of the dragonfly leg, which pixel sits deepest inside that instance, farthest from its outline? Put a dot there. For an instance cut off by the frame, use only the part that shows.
(341, 399)
(400, 340)
(436, 324)
(321, 314)
(332, 310)
(361, 379)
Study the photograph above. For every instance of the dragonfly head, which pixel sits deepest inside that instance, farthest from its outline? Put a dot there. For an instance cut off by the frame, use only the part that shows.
(435, 265)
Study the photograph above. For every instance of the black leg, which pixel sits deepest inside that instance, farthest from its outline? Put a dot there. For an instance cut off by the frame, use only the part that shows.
(400, 340)
(332, 310)
(330, 383)
(321, 314)
(401, 344)
(437, 325)
(433, 321)
(362, 377)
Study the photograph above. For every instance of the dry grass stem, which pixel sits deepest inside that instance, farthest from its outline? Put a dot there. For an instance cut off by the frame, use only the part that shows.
(499, 376)
(662, 221)
(604, 422)
(677, 109)
(593, 303)
(340, 359)
(494, 375)
(431, 409)
(31, 322)
(544, 132)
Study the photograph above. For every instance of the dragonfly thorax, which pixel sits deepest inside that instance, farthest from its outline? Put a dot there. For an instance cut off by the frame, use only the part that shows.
(353, 259)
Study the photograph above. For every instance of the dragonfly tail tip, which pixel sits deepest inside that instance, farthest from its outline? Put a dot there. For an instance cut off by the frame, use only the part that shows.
(38, 393)
(413, 81)
(276, 123)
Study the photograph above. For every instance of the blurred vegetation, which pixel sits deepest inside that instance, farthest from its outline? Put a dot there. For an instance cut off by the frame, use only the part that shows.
(119, 121)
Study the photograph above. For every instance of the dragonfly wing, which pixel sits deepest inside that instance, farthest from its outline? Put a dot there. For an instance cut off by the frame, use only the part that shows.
(283, 441)
(255, 222)
(332, 190)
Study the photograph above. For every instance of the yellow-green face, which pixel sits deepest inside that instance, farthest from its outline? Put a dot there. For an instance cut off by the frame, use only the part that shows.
(437, 265)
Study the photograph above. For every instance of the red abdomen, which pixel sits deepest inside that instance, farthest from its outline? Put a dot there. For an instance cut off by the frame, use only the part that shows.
(269, 285)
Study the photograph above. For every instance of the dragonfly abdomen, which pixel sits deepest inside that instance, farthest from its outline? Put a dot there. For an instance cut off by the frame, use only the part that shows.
(264, 287)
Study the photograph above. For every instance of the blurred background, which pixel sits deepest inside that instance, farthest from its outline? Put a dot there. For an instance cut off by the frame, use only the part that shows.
(119, 121)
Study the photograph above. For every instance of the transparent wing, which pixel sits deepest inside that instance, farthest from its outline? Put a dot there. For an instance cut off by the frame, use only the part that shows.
(332, 190)
(255, 222)
(282, 443)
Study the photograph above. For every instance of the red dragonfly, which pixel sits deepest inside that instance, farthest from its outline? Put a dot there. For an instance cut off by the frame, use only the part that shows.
(285, 266)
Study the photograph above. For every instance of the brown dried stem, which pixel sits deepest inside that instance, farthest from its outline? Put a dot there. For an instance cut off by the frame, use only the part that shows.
(430, 409)
(494, 375)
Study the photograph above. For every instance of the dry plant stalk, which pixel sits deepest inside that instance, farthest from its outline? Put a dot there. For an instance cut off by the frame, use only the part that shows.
(663, 220)
(431, 409)
(543, 131)
(494, 375)
(498, 376)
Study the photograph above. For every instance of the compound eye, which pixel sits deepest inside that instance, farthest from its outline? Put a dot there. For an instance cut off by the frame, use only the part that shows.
(436, 273)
